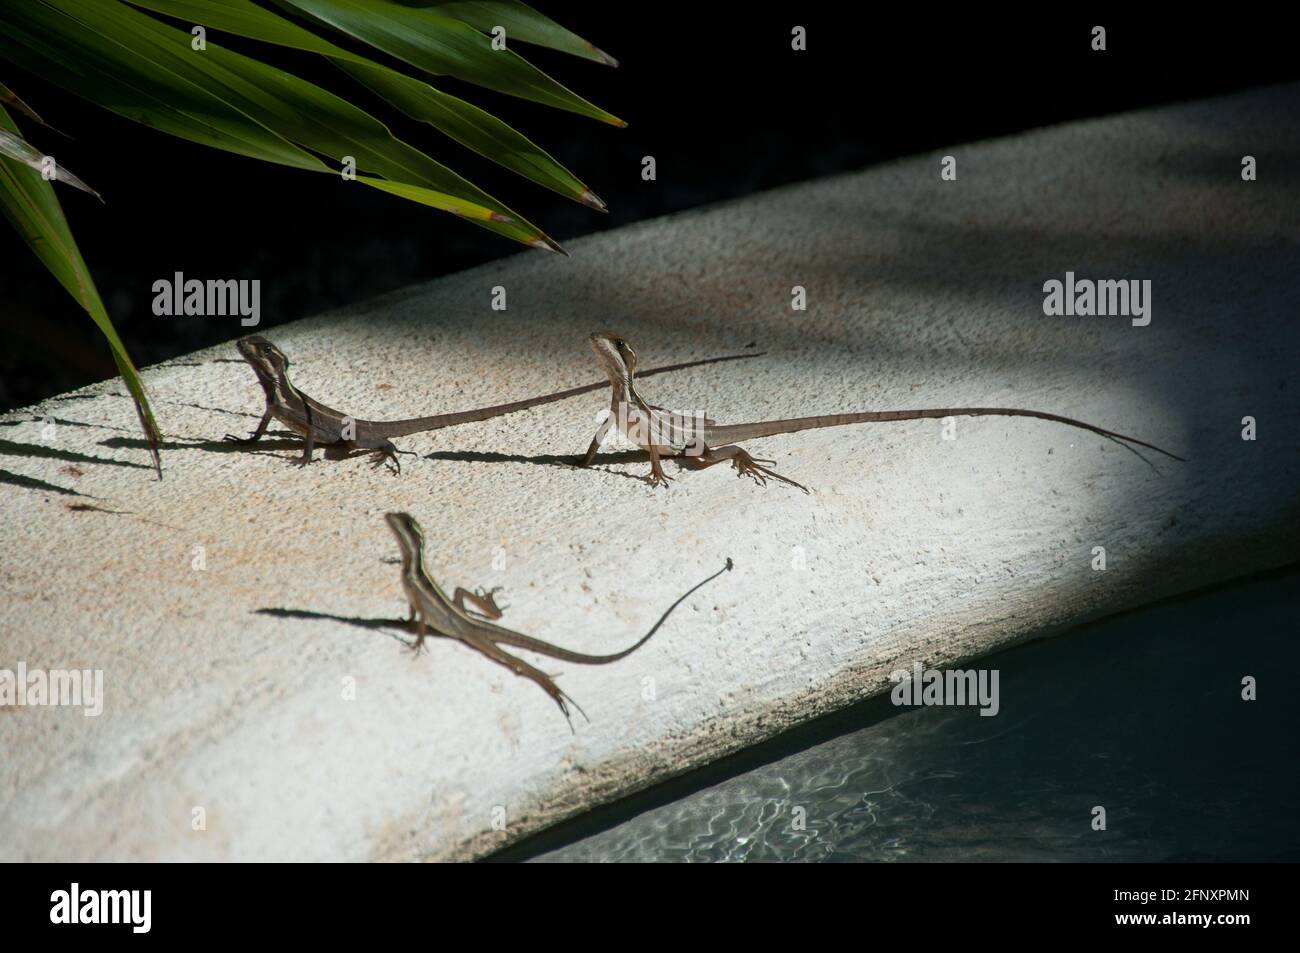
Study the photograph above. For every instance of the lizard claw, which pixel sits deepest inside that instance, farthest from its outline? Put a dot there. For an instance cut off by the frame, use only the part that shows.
(489, 596)
(564, 701)
(748, 466)
(416, 628)
(384, 457)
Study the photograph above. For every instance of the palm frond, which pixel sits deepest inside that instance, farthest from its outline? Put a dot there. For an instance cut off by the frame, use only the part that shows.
(464, 122)
(16, 147)
(121, 56)
(521, 22)
(29, 202)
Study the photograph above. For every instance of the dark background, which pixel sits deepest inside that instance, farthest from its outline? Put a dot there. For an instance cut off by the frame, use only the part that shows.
(713, 92)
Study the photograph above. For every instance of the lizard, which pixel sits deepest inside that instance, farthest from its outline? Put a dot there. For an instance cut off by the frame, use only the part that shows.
(321, 425)
(432, 612)
(698, 443)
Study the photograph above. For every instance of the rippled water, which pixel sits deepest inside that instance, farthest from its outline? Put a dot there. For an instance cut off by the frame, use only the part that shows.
(1141, 714)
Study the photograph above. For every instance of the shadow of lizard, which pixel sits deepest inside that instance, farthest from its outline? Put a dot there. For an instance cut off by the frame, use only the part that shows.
(565, 461)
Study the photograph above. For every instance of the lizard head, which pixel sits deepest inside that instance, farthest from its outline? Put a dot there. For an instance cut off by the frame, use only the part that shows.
(409, 535)
(265, 357)
(616, 357)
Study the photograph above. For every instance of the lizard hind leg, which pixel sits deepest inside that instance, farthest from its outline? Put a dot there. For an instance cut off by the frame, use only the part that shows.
(744, 464)
(386, 454)
(524, 670)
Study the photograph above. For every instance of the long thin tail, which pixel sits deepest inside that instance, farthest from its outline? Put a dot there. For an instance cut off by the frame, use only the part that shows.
(734, 433)
(554, 651)
(403, 428)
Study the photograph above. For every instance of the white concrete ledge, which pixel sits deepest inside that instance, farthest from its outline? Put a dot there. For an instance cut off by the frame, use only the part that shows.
(921, 293)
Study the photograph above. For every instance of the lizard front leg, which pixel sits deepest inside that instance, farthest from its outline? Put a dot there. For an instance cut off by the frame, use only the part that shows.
(740, 459)
(256, 435)
(593, 449)
(309, 447)
(483, 603)
(416, 625)
(657, 475)
(599, 439)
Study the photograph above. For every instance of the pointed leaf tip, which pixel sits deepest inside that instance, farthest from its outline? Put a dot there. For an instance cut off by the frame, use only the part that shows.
(545, 244)
(592, 200)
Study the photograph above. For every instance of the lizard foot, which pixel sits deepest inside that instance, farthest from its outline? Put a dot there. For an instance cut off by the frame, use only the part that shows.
(748, 466)
(564, 701)
(489, 597)
(416, 628)
(386, 457)
(480, 602)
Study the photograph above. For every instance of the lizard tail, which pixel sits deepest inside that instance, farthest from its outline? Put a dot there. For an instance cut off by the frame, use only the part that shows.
(734, 433)
(554, 651)
(404, 428)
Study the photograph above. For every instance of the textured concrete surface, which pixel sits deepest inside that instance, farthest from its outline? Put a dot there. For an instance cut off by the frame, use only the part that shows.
(911, 547)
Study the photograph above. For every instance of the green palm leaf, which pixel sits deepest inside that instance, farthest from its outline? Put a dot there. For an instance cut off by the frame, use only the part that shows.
(16, 147)
(9, 98)
(133, 64)
(521, 21)
(445, 46)
(29, 202)
(466, 123)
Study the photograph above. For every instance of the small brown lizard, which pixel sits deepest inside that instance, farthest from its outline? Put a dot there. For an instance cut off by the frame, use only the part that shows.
(433, 612)
(698, 443)
(320, 425)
